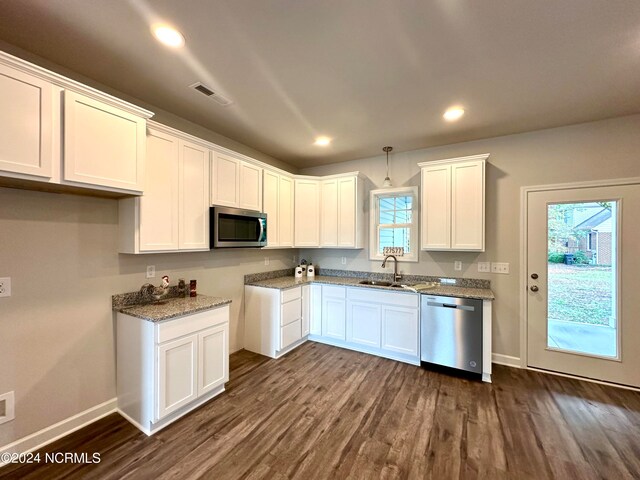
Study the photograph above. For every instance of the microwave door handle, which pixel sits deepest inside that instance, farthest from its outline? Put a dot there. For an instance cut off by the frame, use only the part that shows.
(261, 223)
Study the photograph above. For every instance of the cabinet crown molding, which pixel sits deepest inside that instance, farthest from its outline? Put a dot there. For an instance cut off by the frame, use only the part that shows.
(69, 84)
(470, 158)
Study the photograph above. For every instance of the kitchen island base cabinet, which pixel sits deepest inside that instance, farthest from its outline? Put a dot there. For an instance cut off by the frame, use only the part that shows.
(166, 369)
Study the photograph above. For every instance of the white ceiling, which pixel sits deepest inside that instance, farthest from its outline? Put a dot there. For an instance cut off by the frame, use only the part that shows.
(368, 73)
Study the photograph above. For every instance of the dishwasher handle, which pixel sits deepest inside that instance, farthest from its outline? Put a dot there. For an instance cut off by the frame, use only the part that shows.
(468, 308)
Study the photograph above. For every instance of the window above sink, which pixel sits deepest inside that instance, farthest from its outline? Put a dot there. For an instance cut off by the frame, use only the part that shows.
(394, 222)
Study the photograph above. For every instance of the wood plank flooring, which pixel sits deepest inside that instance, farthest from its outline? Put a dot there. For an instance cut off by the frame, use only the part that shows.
(326, 413)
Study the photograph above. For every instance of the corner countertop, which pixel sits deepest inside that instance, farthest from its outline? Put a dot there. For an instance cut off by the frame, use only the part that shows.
(285, 282)
(174, 307)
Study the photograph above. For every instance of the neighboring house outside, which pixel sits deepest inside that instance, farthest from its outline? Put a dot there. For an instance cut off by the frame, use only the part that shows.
(595, 221)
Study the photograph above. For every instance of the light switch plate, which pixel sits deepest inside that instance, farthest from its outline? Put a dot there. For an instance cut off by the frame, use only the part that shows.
(344, 260)
(5, 287)
(498, 267)
(484, 267)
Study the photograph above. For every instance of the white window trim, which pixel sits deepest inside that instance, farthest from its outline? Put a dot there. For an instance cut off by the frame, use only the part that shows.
(373, 221)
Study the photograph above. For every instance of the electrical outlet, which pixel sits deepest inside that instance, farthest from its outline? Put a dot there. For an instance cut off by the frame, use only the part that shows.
(7, 407)
(457, 265)
(5, 287)
(497, 267)
(151, 271)
(295, 259)
(266, 260)
(344, 260)
(484, 267)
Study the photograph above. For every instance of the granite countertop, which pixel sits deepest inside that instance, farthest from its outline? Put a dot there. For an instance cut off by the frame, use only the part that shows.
(173, 307)
(285, 282)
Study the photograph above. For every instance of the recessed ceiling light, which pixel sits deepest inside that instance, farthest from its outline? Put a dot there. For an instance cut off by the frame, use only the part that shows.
(322, 141)
(454, 113)
(167, 35)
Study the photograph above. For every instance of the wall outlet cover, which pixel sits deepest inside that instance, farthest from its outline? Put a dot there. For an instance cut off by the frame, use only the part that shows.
(457, 265)
(266, 260)
(484, 267)
(7, 407)
(151, 271)
(5, 286)
(500, 267)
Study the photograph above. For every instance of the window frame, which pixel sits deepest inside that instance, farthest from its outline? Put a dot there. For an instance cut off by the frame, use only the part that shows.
(374, 225)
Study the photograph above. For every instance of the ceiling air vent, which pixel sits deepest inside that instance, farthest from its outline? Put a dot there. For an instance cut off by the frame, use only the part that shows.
(203, 89)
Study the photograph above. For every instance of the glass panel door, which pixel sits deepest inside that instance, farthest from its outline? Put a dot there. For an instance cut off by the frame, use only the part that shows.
(581, 277)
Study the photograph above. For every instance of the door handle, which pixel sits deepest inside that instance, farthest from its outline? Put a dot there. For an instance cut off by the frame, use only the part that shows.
(534, 288)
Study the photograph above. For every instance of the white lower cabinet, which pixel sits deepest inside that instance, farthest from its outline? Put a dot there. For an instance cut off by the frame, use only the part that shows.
(276, 321)
(334, 312)
(363, 324)
(168, 368)
(370, 320)
(400, 330)
(380, 322)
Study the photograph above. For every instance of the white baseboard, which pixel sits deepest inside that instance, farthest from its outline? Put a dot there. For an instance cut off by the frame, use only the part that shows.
(50, 434)
(507, 360)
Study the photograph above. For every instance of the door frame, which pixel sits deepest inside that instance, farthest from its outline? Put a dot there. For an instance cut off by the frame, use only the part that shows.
(524, 276)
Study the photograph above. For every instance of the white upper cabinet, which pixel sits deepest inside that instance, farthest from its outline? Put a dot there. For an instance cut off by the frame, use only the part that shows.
(235, 183)
(194, 196)
(453, 194)
(26, 136)
(173, 213)
(277, 203)
(307, 213)
(159, 217)
(329, 213)
(270, 203)
(103, 145)
(342, 212)
(58, 131)
(285, 211)
(225, 178)
(250, 187)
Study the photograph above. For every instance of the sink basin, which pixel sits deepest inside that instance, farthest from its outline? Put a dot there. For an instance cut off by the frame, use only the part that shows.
(377, 283)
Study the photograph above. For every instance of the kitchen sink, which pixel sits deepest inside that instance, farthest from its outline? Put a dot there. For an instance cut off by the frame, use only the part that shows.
(377, 283)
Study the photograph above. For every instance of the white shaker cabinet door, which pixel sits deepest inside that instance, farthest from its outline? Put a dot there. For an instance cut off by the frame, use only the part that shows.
(159, 222)
(225, 180)
(364, 324)
(194, 197)
(177, 367)
(213, 358)
(436, 208)
(270, 203)
(346, 214)
(26, 127)
(103, 145)
(307, 213)
(329, 213)
(467, 206)
(250, 187)
(400, 330)
(285, 212)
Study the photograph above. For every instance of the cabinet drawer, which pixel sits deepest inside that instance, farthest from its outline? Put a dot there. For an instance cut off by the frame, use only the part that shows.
(399, 299)
(331, 291)
(291, 312)
(290, 334)
(170, 329)
(291, 294)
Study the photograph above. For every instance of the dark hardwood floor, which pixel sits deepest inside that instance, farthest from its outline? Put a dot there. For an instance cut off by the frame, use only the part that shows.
(323, 412)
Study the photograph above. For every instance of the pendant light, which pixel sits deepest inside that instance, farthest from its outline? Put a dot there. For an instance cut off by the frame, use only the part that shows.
(387, 180)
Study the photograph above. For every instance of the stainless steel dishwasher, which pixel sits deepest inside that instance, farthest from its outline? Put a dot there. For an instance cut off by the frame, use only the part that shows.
(451, 332)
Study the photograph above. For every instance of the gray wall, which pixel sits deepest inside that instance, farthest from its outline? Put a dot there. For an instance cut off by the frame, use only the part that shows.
(57, 339)
(590, 151)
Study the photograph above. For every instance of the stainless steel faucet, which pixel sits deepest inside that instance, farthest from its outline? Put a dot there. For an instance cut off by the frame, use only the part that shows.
(396, 275)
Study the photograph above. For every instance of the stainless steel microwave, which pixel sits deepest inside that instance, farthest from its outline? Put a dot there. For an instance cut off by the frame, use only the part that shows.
(234, 227)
